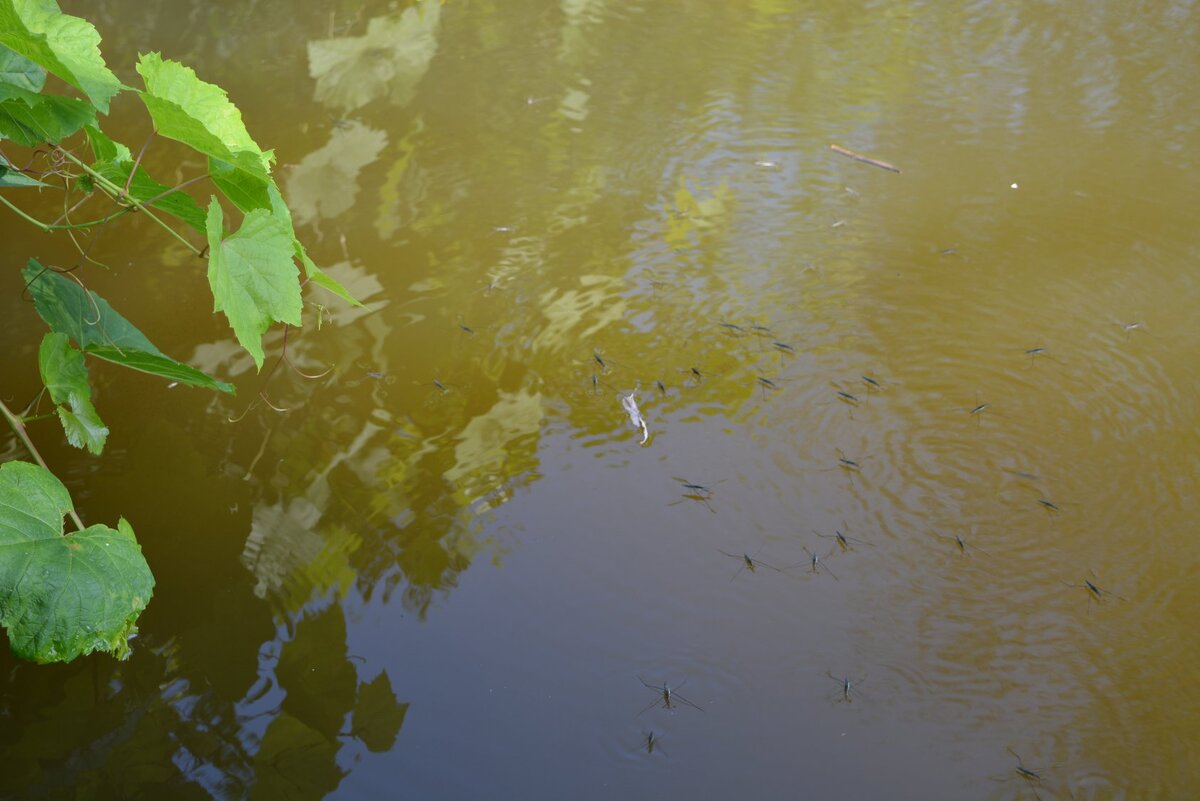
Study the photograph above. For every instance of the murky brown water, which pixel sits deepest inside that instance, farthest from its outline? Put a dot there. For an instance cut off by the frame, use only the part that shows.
(522, 191)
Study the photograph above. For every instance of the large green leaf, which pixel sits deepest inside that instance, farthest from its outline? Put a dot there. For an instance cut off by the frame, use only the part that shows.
(66, 378)
(252, 276)
(64, 596)
(198, 114)
(246, 191)
(29, 118)
(100, 331)
(66, 46)
(18, 71)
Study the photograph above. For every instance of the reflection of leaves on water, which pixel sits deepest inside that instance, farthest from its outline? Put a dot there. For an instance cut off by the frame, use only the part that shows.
(489, 442)
(296, 762)
(402, 186)
(597, 303)
(292, 559)
(377, 715)
(389, 60)
(325, 182)
(693, 213)
(314, 671)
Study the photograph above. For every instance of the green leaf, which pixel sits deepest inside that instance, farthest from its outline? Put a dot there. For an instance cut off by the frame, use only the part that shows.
(198, 114)
(246, 191)
(66, 378)
(9, 176)
(105, 149)
(66, 46)
(18, 71)
(64, 596)
(99, 330)
(29, 118)
(377, 715)
(252, 276)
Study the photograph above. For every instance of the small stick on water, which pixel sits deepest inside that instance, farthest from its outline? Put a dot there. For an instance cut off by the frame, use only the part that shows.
(883, 165)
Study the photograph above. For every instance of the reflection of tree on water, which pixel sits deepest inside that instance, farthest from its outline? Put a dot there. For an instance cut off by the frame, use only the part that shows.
(208, 711)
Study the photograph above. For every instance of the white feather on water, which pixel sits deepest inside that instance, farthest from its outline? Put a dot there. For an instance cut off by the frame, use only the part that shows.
(629, 402)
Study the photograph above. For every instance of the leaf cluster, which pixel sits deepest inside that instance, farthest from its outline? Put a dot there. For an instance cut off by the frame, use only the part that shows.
(255, 267)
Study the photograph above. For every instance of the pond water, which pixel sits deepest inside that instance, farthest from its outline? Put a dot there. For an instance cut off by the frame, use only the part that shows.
(982, 370)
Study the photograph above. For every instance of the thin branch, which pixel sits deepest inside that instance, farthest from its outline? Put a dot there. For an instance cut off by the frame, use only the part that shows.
(19, 428)
(112, 188)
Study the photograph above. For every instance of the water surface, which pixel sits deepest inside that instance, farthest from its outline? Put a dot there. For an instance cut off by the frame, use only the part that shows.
(546, 207)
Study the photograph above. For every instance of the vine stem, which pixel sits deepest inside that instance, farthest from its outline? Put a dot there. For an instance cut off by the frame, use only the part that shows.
(19, 427)
(116, 191)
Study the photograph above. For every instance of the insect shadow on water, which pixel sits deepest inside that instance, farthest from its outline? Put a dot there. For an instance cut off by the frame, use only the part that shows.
(668, 696)
(873, 385)
(784, 348)
(845, 464)
(698, 493)
(1095, 592)
(765, 384)
(732, 329)
(749, 562)
(651, 741)
(848, 688)
(844, 541)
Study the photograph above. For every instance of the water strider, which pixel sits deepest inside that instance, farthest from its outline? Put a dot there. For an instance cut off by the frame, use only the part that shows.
(667, 696)
(849, 687)
(816, 563)
(844, 542)
(1094, 591)
(751, 563)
